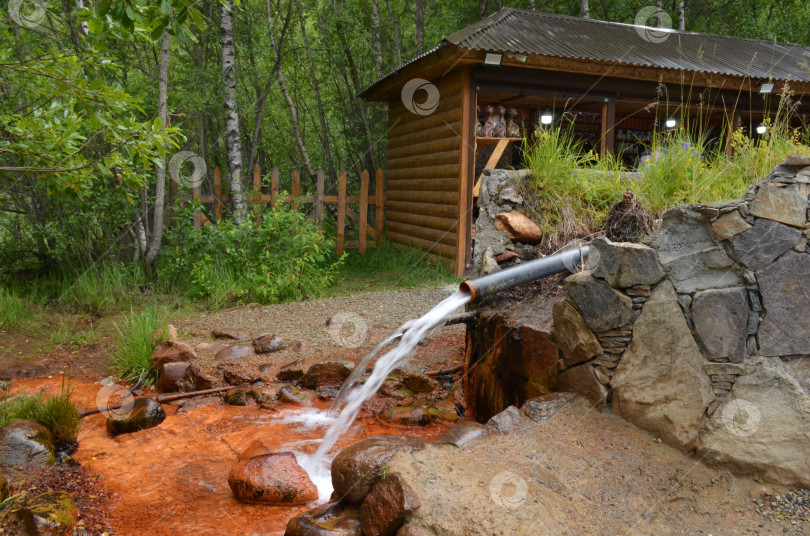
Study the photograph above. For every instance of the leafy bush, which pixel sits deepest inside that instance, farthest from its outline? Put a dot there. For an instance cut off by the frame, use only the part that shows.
(135, 343)
(286, 257)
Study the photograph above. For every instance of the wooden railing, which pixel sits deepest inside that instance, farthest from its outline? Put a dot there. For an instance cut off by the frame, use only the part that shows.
(257, 198)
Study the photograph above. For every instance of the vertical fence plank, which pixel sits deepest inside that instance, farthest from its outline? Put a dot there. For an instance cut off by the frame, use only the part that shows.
(218, 194)
(273, 187)
(319, 198)
(296, 189)
(257, 193)
(195, 194)
(341, 220)
(363, 211)
(379, 215)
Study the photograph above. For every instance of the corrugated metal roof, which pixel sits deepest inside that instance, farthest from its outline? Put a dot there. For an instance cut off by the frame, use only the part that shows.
(532, 32)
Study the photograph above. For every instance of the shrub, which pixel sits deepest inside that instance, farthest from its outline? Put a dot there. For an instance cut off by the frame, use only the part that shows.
(286, 257)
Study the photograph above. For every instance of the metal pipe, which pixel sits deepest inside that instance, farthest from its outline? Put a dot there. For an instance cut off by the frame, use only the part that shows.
(523, 273)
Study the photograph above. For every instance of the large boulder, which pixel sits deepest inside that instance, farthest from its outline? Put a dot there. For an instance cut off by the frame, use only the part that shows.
(327, 374)
(785, 289)
(385, 508)
(274, 479)
(624, 264)
(763, 427)
(25, 444)
(757, 247)
(518, 227)
(660, 384)
(358, 466)
(602, 307)
(574, 338)
(145, 413)
(720, 318)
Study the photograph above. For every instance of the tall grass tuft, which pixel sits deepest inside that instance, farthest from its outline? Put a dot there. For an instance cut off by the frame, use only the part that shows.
(56, 413)
(135, 343)
(15, 312)
(100, 288)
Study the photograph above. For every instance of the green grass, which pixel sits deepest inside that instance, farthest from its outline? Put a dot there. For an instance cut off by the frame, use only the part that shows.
(15, 312)
(135, 343)
(387, 267)
(56, 413)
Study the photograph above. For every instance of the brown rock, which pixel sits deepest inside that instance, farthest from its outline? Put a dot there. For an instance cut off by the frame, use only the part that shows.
(171, 352)
(327, 374)
(209, 347)
(330, 519)
(542, 407)
(173, 378)
(50, 514)
(199, 379)
(582, 380)
(290, 375)
(145, 413)
(406, 416)
(257, 448)
(574, 337)
(506, 256)
(785, 205)
(356, 468)
(385, 508)
(25, 444)
(235, 335)
(237, 396)
(294, 395)
(166, 333)
(274, 479)
(267, 343)
(463, 432)
(624, 264)
(234, 352)
(508, 421)
(796, 160)
(730, 224)
(518, 227)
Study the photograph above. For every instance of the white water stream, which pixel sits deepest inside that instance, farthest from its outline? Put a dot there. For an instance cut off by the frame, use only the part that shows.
(353, 394)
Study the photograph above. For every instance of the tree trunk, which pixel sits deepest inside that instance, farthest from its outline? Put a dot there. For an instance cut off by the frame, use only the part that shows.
(371, 165)
(160, 174)
(482, 8)
(533, 5)
(584, 9)
(233, 138)
(659, 6)
(375, 36)
(681, 16)
(395, 27)
(419, 19)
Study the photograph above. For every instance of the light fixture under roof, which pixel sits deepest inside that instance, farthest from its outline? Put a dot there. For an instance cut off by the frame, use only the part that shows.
(546, 117)
(519, 57)
(762, 129)
(766, 88)
(493, 58)
(671, 123)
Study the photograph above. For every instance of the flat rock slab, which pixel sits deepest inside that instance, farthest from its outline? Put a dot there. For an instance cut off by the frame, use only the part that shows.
(730, 224)
(602, 307)
(783, 204)
(763, 243)
(234, 352)
(660, 384)
(624, 265)
(785, 290)
(720, 318)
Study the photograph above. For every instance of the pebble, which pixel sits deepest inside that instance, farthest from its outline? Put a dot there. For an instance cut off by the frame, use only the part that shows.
(794, 505)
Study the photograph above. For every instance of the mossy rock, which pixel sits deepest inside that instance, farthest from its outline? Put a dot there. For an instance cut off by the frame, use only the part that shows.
(50, 514)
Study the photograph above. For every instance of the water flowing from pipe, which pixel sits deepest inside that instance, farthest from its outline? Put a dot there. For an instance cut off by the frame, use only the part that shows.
(412, 332)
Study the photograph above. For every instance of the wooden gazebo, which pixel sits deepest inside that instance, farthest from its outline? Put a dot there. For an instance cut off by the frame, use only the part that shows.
(615, 83)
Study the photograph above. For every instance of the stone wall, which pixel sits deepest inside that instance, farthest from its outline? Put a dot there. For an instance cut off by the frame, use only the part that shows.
(702, 334)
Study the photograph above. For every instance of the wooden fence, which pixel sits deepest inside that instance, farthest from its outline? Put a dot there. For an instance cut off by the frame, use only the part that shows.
(295, 200)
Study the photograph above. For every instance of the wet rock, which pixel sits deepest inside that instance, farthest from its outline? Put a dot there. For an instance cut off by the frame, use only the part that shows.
(199, 379)
(730, 224)
(689, 254)
(267, 343)
(763, 243)
(463, 432)
(509, 421)
(236, 335)
(541, 408)
(582, 380)
(602, 307)
(264, 394)
(624, 264)
(394, 389)
(50, 514)
(518, 227)
(762, 426)
(174, 377)
(660, 384)
(406, 416)
(445, 411)
(785, 205)
(237, 396)
(330, 519)
(240, 375)
(274, 478)
(234, 352)
(785, 327)
(574, 338)
(385, 508)
(412, 380)
(25, 444)
(294, 395)
(291, 375)
(171, 352)
(145, 413)
(720, 318)
(357, 467)
(327, 374)
(326, 393)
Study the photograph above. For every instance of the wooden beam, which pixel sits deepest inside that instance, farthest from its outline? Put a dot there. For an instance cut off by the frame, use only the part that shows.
(608, 138)
(492, 163)
(467, 169)
(341, 223)
(379, 200)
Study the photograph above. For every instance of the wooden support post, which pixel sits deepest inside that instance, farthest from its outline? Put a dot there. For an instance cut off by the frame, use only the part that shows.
(608, 126)
(466, 171)
(218, 195)
(731, 121)
(379, 213)
(273, 187)
(257, 193)
(195, 194)
(319, 197)
(296, 189)
(341, 223)
(363, 211)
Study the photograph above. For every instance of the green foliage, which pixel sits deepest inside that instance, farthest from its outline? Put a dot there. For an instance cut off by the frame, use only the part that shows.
(135, 342)
(284, 258)
(15, 312)
(56, 413)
